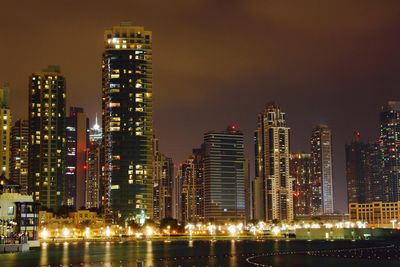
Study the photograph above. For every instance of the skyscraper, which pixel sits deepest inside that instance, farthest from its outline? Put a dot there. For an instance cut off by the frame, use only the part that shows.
(273, 186)
(77, 142)
(19, 154)
(224, 195)
(356, 170)
(95, 186)
(5, 126)
(127, 113)
(191, 174)
(374, 159)
(247, 191)
(390, 138)
(46, 171)
(93, 175)
(163, 185)
(363, 171)
(321, 154)
(300, 170)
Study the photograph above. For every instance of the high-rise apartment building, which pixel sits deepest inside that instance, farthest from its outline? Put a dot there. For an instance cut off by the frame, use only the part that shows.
(191, 178)
(356, 170)
(77, 142)
(93, 175)
(390, 141)
(19, 154)
(273, 185)
(95, 187)
(363, 171)
(127, 121)
(321, 154)
(374, 159)
(224, 195)
(5, 128)
(47, 141)
(300, 170)
(163, 185)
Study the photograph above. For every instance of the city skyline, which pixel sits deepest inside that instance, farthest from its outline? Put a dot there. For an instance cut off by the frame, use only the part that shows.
(365, 73)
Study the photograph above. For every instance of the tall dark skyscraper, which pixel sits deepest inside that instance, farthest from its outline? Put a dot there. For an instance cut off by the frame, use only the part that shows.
(374, 159)
(47, 140)
(356, 170)
(224, 195)
(363, 171)
(19, 154)
(127, 114)
(321, 154)
(390, 140)
(300, 170)
(77, 142)
(273, 186)
(163, 185)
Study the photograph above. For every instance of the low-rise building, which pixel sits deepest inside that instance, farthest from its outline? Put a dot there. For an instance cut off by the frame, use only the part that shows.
(76, 223)
(376, 214)
(83, 217)
(18, 216)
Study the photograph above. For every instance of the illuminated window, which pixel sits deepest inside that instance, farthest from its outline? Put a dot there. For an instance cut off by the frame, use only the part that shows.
(114, 105)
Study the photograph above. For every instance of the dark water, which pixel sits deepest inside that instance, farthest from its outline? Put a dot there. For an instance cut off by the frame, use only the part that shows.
(194, 253)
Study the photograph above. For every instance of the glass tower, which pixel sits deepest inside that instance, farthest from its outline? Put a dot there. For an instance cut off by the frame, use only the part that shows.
(321, 154)
(224, 193)
(127, 121)
(390, 141)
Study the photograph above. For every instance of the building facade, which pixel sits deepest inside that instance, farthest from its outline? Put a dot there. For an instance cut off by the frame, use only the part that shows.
(224, 195)
(247, 191)
(19, 154)
(93, 175)
(300, 170)
(127, 121)
(5, 126)
(356, 170)
(273, 185)
(47, 142)
(163, 185)
(390, 141)
(321, 154)
(363, 171)
(18, 212)
(77, 143)
(191, 178)
(377, 214)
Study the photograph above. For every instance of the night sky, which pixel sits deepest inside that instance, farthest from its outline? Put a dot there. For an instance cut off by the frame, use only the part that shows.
(220, 61)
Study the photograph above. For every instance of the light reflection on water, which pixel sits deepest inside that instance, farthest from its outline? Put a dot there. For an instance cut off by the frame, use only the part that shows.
(86, 254)
(149, 254)
(65, 257)
(43, 255)
(158, 253)
(233, 254)
(107, 254)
